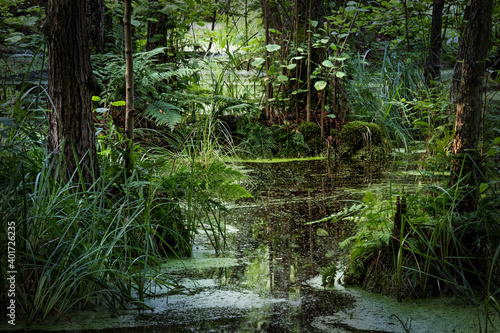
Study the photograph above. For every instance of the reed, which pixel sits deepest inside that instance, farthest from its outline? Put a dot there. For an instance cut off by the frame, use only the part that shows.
(382, 96)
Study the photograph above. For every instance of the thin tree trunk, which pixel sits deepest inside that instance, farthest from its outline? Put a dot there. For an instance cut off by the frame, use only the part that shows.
(474, 48)
(156, 35)
(71, 133)
(246, 22)
(299, 65)
(214, 20)
(268, 83)
(309, 57)
(457, 72)
(129, 86)
(292, 20)
(322, 123)
(406, 26)
(433, 68)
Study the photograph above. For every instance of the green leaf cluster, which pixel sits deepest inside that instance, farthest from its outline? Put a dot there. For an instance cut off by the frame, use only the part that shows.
(165, 114)
(374, 229)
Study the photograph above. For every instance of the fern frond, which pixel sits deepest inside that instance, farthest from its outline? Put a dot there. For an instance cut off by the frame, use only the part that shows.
(165, 114)
(259, 142)
(149, 55)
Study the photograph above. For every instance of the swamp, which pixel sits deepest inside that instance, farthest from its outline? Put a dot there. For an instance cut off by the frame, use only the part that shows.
(250, 166)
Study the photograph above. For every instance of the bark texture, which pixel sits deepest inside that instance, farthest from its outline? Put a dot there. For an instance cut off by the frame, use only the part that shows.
(71, 123)
(129, 83)
(95, 19)
(474, 49)
(433, 69)
(457, 71)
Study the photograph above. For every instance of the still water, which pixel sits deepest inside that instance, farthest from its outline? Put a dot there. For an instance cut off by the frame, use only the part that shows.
(268, 278)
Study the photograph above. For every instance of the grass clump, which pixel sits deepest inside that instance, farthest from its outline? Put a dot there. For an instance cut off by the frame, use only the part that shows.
(426, 251)
(103, 243)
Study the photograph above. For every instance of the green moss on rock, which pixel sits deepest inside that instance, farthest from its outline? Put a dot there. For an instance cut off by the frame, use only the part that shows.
(312, 136)
(362, 140)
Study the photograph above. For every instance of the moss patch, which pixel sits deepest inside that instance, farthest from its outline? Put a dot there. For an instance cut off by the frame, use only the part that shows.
(362, 140)
(312, 136)
(275, 160)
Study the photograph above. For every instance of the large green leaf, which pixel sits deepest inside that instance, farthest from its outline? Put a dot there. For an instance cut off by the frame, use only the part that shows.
(320, 85)
(118, 103)
(258, 61)
(272, 47)
(327, 63)
(340, 74)
(282, 78)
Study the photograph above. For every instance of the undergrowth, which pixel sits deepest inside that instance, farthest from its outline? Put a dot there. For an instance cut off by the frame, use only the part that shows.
(417, 244)
(103, 243)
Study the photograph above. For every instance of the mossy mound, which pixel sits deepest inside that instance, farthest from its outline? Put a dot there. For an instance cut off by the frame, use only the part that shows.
(362, 140)
(312, 136)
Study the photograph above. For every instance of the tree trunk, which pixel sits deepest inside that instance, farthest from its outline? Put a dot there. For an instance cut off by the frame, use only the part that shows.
(457, 71)
(272, 17)
(214, 21)
(309, 59)
(474, 48)
(433, 68)
(95, 18)
(403, 2)
(157, 33)
(70, 74)
(129, 86)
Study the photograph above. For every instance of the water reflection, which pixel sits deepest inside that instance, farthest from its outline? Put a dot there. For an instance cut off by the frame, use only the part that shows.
(290, 252)
(274, 283)
(268, 280)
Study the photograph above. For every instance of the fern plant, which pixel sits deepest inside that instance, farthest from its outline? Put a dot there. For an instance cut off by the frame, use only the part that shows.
(258, 140)
(165, 114)
(374, 231)
(328, 275)
(154, 85)
(204, 189)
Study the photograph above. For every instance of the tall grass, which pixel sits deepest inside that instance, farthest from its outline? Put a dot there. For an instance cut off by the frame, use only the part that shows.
(77, 246)
(382, 96)
(436, 251)
(442, 250)
(103, 243)
(207, 180)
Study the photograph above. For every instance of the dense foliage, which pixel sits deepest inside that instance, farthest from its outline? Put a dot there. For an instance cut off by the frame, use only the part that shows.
(249, 79)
